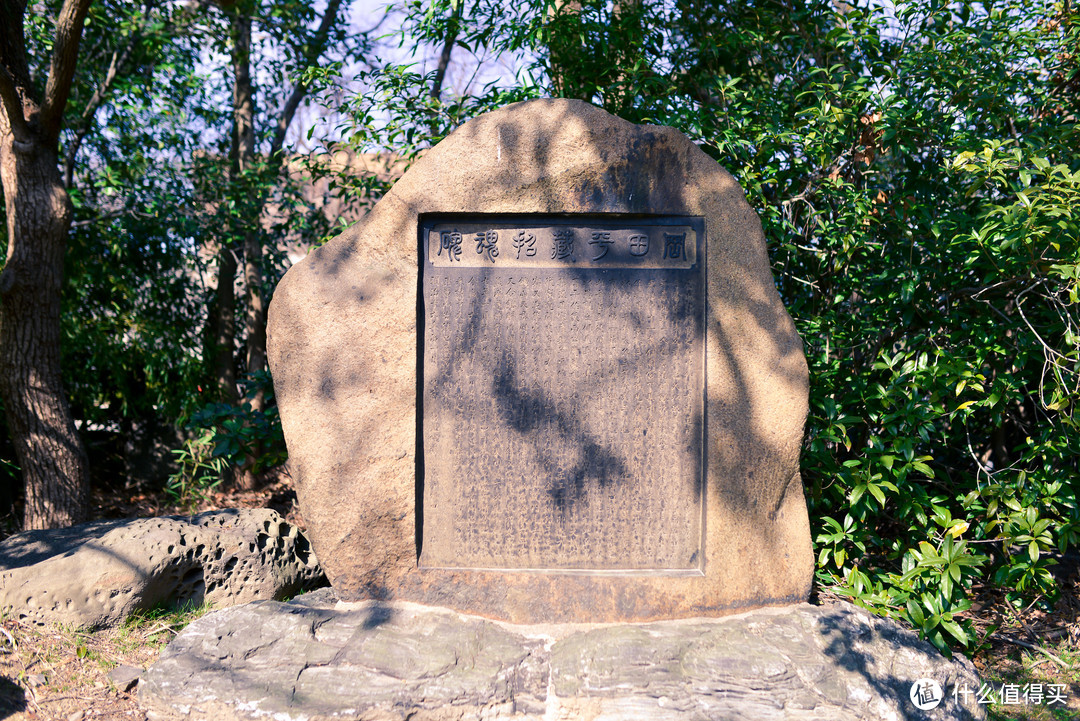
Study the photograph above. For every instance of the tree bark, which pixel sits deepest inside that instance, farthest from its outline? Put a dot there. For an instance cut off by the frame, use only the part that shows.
(220, 332)
(244, 176)
(244, 102)
(563, 51)
(239, 237)
(47, 444)
(242, 164)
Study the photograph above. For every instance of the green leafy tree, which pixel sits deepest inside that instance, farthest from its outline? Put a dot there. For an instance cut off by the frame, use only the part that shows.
(199, 161)
(124, 302)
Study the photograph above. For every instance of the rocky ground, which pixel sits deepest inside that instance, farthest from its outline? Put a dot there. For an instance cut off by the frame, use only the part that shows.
(64, 674)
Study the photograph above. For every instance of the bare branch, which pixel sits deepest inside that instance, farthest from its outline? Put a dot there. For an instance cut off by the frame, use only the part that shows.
(314, 50)
(110, 215)
(69, 27)
(379, 24)
(285, 120)
(1033, 647)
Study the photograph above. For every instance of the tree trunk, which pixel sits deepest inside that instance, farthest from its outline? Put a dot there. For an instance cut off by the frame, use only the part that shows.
(255, 320)
(453, 28)
(220, 338)
(220, 332)
(245, 176)
(243, 168)
(563, 51)
(47, 444)
(250, 180)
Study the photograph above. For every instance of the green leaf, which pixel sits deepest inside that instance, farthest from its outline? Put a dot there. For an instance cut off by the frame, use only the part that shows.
(878, 494)
(915, 613)
(857, 493)
(956, 631)
(923, 468)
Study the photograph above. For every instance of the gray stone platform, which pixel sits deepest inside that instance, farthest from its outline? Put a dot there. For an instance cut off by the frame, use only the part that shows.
(316, 659)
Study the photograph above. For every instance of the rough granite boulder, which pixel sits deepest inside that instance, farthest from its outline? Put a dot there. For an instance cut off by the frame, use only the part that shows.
(95, 574)
(318, 659)
(343, 340)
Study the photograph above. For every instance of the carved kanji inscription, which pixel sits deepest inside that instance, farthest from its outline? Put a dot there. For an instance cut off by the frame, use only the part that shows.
(563, 393)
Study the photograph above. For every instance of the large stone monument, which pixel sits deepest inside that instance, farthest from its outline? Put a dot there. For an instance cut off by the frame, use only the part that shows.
(549, 378)
(548, 381)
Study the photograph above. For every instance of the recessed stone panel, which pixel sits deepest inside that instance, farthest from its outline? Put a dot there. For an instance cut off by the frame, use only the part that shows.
(563, 393)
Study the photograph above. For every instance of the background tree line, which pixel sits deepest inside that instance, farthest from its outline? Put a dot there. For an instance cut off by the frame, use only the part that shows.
(916, 168)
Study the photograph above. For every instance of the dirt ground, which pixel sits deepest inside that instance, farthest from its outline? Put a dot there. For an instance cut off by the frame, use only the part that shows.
(1034, 651)
(65, 674)
(56, 673)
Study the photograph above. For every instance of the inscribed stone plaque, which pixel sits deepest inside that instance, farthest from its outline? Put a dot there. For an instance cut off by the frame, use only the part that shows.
(564, 381)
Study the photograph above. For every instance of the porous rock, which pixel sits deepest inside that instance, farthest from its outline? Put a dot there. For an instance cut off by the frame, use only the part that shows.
(318, 659)
(96, 574)
(342, 347)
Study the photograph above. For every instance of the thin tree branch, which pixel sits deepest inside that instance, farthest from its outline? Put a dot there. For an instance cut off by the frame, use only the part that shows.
(1033, 647)
(448, 48)
(110, 215)
(314, 50)
(9, 96)
(69, 27)
(976, 291)
(377, 25)
(119, 59)
(286, 118)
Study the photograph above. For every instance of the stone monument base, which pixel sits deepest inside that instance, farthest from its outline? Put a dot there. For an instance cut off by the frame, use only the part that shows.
(317, 658)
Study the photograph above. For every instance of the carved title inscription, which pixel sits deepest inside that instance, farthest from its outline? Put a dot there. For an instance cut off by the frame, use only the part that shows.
(592, 244)
(563, 393)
